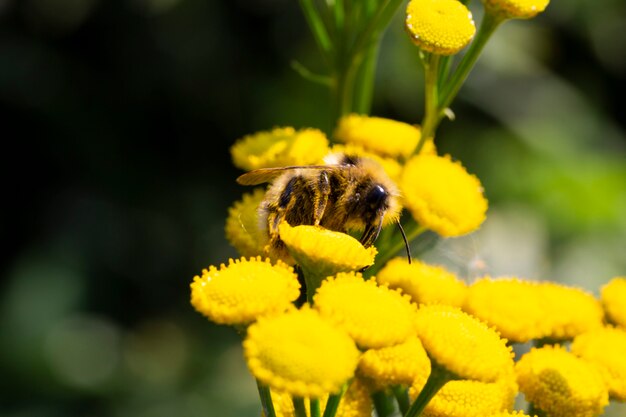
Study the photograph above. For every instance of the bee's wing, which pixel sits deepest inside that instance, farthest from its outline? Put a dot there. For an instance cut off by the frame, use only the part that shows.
(259, 176)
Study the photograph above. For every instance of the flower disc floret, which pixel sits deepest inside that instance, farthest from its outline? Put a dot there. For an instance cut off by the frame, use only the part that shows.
(462, 344)
(373, 315)
(442, 27)
(385, 137)
(424, 283)
(300, 353)
(606, 349)
(515, 9)
(613, 297)
(442, 196)
(516, 413)
(242, 225)
(281, 146)
(244, 290)
(561, 384)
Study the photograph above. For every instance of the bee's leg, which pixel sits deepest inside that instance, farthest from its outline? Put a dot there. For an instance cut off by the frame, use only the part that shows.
(285, 201)
(321, 198)
(371, 232)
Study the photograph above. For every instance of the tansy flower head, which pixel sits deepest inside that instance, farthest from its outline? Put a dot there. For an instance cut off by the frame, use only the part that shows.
(393, 365)
(244, 290)
(509, 414)
(606, 349)
(442, 27)
(324, 251)
(613, 297)
(373, 315)
(280, 147)
(515, 9)
(300, 353)
(462, 344)
(385, 137)
(561, 384)
(442, 196)
(242, 225)
(426, 284)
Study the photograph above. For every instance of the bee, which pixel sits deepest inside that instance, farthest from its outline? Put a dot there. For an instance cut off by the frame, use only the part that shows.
(347, 193)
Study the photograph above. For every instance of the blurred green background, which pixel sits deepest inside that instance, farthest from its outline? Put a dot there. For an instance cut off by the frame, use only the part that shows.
(120, 115)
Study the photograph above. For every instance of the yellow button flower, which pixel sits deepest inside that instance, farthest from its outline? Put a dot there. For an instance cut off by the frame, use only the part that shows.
(399, 364)
(462, 344)
(373, 315)
(280, 147)
(242, 225)
(606, 349)
(509, 414)
(442, 27)
(244, 290)
(442, 196)
(426, 284)
(614, 299)
(300, 353)
(385, 137)
(515, 9)
(561, 384)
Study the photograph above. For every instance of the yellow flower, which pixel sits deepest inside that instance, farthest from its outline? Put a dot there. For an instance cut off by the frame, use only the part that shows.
(385, 137)
(515, 9)
(561, 384)
(393, 365)
(242, 225)
(614, 299)
(442, 196)
(462, 344)
(280, 147)
(606, 349)
(442, 27)
(373, 315)
(390, 165)
(244, 290)
(300, 353)
(509, 414)
(324, 251)
(426, 284)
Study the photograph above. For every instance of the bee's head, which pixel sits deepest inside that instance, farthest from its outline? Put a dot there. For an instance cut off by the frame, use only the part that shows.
(376, 198)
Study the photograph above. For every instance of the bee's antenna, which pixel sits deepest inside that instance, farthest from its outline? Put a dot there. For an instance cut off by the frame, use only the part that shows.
(406, 242)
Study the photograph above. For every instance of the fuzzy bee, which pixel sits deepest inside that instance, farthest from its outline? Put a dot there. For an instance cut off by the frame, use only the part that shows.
(347, 193)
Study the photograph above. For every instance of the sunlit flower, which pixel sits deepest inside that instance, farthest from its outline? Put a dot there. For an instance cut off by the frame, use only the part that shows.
(509, 414)
(462, 344)
(373, 315)
(279, 147)
(442, 27)
(426, 284)
(244, 290)
(385, 137)
(614, 299)
(399, 364)
(606, 349)
(442, 196)
(561, 384)
(515, 9)
(242, 225)
(300, 353)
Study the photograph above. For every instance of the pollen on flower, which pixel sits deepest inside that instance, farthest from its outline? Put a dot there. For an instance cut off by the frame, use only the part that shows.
(325, 251)
(442, 27)
(385, 137)
(613, 297)
(425, 284)
(442, 196)
(373, 315)
(463, 344)
(405, 363)
(242, 225)
(561, 384)
(300, 353)
(281, 146)
(515, 9)
(606, 349)
(244, 290)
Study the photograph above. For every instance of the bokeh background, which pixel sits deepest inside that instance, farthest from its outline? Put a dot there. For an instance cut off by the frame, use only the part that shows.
(117, 117)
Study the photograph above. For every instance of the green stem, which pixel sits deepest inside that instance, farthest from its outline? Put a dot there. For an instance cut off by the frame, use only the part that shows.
(412, 231)
(266, 400)
(333, 404)
(315, 407)
(489, 24)
(298, 406)
(318, 28)
(383, 404)
(432, 111)
(365, 81)
(402, 397)
(437, 379)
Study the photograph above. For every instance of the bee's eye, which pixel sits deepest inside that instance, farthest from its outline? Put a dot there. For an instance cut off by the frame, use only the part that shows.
(376, 196)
